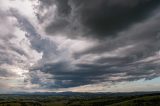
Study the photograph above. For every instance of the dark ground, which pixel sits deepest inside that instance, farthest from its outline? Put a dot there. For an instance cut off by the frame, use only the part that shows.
(81, 99)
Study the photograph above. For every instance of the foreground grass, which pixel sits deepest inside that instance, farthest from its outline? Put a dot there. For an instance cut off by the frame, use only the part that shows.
(35, 100)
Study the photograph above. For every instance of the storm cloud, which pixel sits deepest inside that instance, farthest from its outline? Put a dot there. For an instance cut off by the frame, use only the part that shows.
(98, 18)
(71, 44)
(125, 33)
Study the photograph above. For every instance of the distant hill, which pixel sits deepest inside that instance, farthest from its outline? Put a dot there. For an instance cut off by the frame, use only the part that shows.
(89, 94)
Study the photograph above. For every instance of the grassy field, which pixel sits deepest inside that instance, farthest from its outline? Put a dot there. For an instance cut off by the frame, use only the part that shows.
(142, 101)
(50, 100)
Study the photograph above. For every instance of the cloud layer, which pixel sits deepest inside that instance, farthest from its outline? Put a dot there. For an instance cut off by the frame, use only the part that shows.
(125, 35)
(74, 44)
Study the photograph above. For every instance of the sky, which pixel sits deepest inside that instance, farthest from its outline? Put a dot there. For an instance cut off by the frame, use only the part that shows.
(79, 45)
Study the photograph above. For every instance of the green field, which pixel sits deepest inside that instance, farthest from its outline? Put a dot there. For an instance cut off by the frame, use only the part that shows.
(50, 100)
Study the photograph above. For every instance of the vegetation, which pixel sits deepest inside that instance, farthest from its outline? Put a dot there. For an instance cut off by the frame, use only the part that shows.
(143, 101)
(80, 100)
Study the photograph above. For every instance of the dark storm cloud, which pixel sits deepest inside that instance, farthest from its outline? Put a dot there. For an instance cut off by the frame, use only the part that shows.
(98, 18)
(64, 78)
(97, 73)
(47, 2)
(124, 57)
